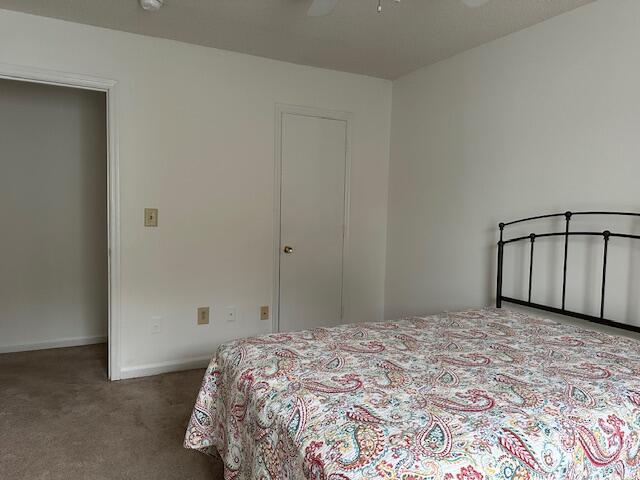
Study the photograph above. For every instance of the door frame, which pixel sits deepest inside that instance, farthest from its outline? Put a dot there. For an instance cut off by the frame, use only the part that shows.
(109, 87)
(347, 117)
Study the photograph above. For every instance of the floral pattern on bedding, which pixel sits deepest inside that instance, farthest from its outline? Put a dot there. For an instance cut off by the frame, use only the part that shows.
(476, 395)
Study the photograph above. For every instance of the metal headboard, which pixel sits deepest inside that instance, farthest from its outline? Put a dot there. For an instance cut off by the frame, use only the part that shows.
(606, 236)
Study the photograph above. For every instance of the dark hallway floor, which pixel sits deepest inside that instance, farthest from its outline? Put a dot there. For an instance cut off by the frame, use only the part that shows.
(60, 418)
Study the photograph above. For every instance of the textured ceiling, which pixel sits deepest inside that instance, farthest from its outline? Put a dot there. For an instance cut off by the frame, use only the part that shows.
(406, 36)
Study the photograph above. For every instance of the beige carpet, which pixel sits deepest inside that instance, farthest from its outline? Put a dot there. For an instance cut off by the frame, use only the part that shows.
(60, 418)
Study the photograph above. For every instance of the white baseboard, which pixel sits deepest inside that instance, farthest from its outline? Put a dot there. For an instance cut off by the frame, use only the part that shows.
(59, 343)
(164, 367)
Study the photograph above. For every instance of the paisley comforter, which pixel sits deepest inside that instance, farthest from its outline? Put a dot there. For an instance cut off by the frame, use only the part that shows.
(477, 395)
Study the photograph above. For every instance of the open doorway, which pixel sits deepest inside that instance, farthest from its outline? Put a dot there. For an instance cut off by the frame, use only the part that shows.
(54, 266)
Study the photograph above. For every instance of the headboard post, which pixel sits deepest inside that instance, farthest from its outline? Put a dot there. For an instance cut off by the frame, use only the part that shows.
(500, 262)
(533, 241)
(567, 216)
(606, 234)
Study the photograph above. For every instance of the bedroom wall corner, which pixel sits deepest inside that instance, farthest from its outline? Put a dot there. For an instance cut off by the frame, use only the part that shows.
(543, 120)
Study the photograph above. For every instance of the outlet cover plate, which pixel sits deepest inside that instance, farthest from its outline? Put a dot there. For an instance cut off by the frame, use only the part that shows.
(155, 325)
(264, 312)
(203, 316)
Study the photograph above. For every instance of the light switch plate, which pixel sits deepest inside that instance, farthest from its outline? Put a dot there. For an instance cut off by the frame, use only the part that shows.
(203, 316)
(150, 217)
(264, 312)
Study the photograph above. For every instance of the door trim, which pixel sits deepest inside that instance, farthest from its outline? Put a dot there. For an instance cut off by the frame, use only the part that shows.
(347, 117)
(109, 87)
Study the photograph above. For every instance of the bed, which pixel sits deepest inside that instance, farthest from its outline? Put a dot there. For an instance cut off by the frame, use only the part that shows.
(473, 395)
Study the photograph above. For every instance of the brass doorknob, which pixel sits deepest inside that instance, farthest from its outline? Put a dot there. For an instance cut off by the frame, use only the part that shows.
(287, 249)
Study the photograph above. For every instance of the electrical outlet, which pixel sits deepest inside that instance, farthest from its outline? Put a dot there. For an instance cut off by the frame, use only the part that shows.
(230, 314)
(155, 325)
(150, 217)
(203, 316)
(264, 312)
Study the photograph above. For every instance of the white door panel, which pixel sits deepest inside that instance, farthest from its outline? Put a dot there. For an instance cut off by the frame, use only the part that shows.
(312, 213)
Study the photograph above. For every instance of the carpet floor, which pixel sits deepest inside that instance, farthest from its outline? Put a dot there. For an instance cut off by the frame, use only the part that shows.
(61, 419)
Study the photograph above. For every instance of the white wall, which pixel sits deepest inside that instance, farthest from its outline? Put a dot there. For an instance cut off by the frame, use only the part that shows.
(53, 260)
(197, 141)
(544, 120)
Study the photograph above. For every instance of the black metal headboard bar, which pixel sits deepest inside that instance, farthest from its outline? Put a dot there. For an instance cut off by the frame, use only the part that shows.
(606, 235)
(564, 214)
(571, 234)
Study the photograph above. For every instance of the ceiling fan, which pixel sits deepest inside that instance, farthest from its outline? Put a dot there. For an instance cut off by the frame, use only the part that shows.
(320, 8)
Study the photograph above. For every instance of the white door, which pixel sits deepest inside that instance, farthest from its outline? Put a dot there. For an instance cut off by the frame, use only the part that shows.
(312, 221)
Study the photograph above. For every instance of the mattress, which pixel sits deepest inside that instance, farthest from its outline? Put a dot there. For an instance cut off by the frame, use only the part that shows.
(473, 395)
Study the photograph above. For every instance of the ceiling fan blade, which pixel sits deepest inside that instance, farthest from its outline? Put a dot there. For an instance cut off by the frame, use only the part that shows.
(474, 3)
(320, 8)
